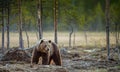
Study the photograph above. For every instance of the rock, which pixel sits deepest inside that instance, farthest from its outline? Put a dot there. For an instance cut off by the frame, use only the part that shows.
(63, 51)
(76, 55)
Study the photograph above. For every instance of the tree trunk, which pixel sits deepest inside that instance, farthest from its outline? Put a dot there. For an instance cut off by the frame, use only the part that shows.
(55, 20)
(40, 18)
(74, 40)
(70, 36)
(27, 37)
(25, 28)
(20, 25)
(116, 34)
(117, 39)
(8, 39)
(118, 42)
(85, 33)
(107, 28)
(3, 28)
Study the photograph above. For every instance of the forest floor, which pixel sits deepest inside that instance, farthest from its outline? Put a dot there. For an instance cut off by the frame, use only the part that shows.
(91, 60)
(73, 60)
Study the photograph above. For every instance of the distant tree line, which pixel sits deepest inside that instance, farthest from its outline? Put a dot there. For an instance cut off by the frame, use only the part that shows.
(80, 14)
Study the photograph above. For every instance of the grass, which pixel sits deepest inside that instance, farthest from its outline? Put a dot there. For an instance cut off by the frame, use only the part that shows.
(94, 39)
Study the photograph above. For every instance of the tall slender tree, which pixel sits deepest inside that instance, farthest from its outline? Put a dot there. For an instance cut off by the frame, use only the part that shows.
(116, 34)
(8, 12)
(20, 24)
(107, 27)
(2, 26)
(55, 20)
(70, 35)
(40, 18)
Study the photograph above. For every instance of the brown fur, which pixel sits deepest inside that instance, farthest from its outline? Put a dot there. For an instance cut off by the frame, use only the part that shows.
(48, 51)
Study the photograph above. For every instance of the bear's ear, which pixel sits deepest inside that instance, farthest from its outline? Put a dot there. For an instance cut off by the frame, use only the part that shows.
(41, 41)
(49, 41)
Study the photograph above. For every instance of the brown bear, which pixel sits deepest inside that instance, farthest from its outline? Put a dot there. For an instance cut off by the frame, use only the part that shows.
(48, 50)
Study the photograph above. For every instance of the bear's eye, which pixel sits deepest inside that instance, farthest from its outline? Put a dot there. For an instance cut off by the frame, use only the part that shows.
(45, 46)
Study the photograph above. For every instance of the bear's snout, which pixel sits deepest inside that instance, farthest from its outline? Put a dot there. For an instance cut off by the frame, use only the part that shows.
(47, 49)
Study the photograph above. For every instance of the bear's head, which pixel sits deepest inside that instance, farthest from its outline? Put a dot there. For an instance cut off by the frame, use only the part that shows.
(44, 46)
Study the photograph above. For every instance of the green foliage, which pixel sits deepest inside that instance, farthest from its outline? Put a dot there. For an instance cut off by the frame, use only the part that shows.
(28, 8)
(115, 15)
(81, 14)
(115, 11)
(99, 18)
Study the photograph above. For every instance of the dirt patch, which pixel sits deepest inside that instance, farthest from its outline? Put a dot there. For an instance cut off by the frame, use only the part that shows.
(16, 55)
(36, 68)
(73, 60)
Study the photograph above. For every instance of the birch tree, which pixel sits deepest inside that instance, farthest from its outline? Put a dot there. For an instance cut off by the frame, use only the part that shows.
(40, 18)
(20, 24)
(107, 28)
